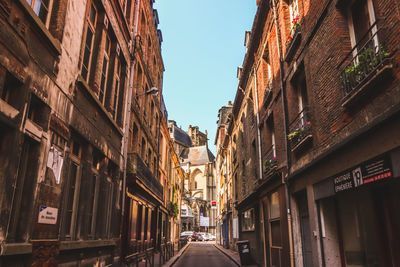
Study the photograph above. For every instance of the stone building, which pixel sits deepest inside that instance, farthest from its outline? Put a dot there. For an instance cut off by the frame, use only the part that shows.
(64, 78)
(199, 187)
(145, 226)
(317, 108)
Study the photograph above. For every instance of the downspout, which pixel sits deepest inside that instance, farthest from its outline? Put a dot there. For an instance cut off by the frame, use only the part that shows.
(128, 110)
(285, 123)
(258, 124)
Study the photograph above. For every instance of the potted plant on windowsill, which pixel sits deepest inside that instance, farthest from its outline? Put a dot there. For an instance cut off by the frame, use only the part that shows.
(269, 164)
(293, 38)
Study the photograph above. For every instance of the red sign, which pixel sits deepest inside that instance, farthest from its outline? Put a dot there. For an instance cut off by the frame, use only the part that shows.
(213, 203)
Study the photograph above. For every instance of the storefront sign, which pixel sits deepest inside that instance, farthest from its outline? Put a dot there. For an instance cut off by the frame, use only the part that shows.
(370, 171)
(47, 215)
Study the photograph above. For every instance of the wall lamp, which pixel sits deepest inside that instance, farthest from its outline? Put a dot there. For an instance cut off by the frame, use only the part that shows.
(152, 91)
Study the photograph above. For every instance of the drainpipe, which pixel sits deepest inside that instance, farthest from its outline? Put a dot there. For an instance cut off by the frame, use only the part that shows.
(285, 120)
(258, 123)
(128, 109)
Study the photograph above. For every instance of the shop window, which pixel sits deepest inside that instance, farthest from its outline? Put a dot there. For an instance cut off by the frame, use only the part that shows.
(146, 220)
(139, 222)
(39, 112)
(72, 189)
(104, 207)
(358, 229)
(133, 219)
(24, 193)
(10, 88)
(248, 220)
(42, 9)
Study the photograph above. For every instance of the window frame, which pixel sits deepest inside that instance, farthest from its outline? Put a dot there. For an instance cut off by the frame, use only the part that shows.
(92, 28)
(32, 4)
(105, 71)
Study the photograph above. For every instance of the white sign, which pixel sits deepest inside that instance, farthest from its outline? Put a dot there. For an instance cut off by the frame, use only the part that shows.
(204, 221)
(235, 228)
(47, 215)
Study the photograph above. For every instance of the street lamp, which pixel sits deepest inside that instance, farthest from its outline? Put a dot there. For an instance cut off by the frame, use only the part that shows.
(152, 91)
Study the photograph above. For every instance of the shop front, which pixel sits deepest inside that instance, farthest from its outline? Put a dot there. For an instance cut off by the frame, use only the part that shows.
(359, 222)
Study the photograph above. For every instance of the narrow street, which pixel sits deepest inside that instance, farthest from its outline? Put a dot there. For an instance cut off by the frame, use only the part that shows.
(203, 254)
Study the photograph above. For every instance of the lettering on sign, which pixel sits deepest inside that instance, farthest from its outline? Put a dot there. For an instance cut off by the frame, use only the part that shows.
(47, 215)
(367, 172)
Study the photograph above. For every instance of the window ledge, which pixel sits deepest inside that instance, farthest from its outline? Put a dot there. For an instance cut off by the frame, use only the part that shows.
(84, 84)
(16, 248)
(53, 43)
(371, 80)
(68, 245)
(291, 49)
(302, 143)
(33, 130)
(7, 110)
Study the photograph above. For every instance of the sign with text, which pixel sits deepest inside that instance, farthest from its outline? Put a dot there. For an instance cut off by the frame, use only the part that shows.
(204, 221)
(367, 172)
(47, 215)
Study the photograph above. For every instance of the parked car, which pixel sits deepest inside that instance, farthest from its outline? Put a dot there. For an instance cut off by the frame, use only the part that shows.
(197, 237)
(186, 235)
(205, 236)
(211, 237)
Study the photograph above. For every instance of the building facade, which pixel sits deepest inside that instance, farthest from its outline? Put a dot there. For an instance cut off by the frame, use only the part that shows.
(314, 134)
(65, 69)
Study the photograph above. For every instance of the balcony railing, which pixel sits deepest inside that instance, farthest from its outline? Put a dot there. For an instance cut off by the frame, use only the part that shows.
(300, 129)
(270, 162)
(138, 168)
(365, 60)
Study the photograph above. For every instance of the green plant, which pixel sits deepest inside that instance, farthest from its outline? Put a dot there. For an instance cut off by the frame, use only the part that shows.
(269, 163)
(174, 209)
(130, 168)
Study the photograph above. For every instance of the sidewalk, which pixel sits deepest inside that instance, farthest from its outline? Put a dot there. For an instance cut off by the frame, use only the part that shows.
(233, 255)
(176, 256)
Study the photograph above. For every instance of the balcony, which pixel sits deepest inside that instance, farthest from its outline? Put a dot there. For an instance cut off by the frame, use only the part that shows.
(137, 168)
(368, 63)
(300, 130)
(270, 162)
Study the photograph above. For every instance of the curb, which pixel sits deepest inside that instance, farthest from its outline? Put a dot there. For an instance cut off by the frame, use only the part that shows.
(173, 260)
(229, 256)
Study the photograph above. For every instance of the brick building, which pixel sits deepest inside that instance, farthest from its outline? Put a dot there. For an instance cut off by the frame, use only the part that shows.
(315, 134)
(64, 69)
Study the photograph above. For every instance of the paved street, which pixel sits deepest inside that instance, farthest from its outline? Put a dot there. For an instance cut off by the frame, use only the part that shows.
(203, 254)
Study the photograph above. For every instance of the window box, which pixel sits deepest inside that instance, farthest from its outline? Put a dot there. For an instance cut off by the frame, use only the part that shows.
(293, 40)
(300, 130)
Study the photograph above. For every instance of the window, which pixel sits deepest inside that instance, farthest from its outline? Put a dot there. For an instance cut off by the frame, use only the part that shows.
(293, 9)
(42, 9)
(10, 88)
(117, 85)
(72, 191)
(361, 17)
(248, 220)
(275, 229)
(39, 112)
(88, 42)
(104, 71)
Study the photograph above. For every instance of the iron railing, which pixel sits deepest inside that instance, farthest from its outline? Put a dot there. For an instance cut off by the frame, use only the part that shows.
(300, 128)
(367, 56)
(138, 168)
(270, 162)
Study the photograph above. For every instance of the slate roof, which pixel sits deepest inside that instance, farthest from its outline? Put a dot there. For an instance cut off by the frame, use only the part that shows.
(181, 136)
(197, 155)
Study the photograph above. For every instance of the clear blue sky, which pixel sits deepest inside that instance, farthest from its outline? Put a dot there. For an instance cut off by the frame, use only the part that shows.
(202, 48)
